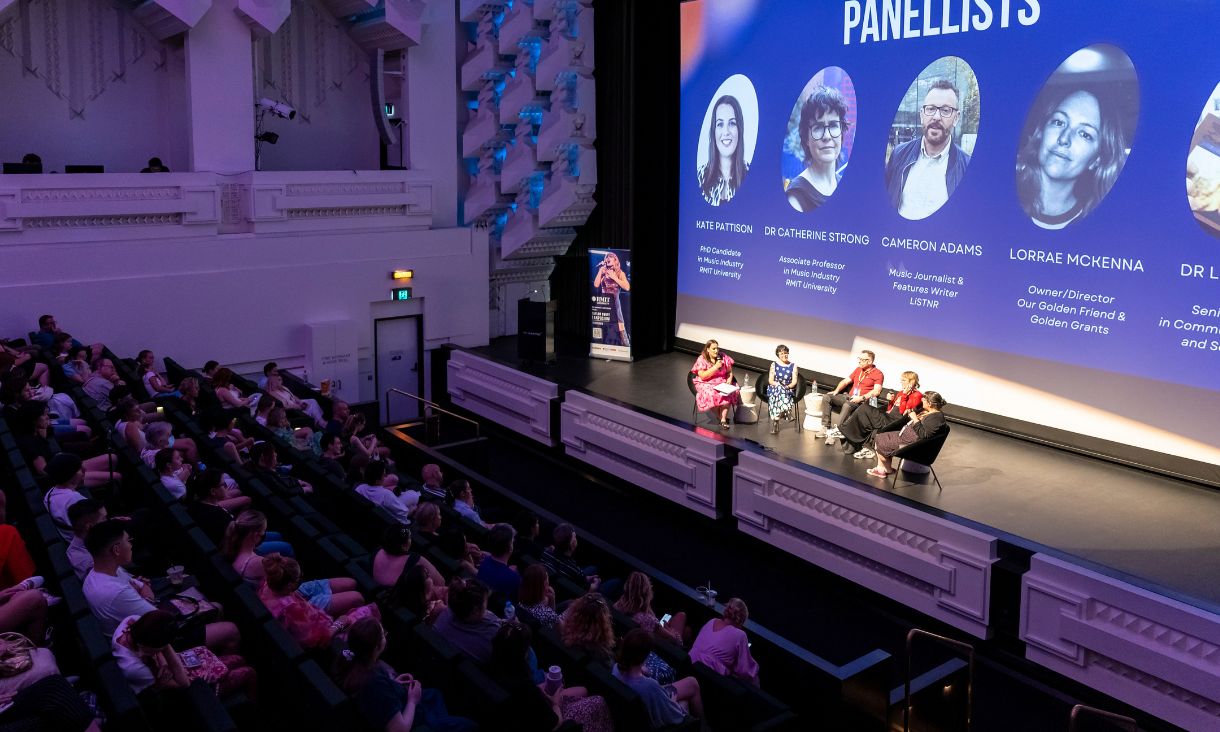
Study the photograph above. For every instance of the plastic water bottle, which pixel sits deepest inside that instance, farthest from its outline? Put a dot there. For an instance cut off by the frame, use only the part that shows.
(554, 680)
(510, 612)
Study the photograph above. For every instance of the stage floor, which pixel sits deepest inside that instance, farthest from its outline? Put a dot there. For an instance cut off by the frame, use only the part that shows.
(1155, 531)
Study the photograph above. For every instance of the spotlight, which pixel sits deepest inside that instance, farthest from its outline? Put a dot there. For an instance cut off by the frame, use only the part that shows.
(268, 137)
(279, 109)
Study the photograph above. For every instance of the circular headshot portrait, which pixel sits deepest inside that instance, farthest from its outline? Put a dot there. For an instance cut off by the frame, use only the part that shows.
(932, 138)
(1077, 136)
(727, 139)
(821, 133)
(1203, 167)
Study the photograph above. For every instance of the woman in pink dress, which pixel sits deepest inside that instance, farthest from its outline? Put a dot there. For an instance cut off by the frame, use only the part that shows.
(723, 647)
(712, 369)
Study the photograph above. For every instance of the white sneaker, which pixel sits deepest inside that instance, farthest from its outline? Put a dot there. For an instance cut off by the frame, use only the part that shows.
(819, 431)
(830, 439)
(864, 454)
(31, 583)
(834, 432)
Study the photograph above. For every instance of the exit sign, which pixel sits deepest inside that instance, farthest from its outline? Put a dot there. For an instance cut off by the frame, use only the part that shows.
(400, 293)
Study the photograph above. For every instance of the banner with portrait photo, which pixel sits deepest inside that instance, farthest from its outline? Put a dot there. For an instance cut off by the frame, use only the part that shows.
(610, 303)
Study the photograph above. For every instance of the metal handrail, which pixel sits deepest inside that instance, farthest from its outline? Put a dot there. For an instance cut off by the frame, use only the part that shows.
(955, 644)
(427, 404)
(1085, 709)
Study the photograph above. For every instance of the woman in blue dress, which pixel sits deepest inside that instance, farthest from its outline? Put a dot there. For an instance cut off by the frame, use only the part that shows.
(781, 387)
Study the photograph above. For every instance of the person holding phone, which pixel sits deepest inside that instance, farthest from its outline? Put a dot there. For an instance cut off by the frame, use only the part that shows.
(926, 423)
(712, 369)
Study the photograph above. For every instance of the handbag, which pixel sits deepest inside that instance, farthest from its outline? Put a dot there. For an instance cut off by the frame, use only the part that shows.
(190, 612)
(16, 654)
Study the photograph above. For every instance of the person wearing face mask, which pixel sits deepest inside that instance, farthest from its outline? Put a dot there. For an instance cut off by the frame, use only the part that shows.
(922, 173)
(823, 124)
(726, 166)
(1071, 159)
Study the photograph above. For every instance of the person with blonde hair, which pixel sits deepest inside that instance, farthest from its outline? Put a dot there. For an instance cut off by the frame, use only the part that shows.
(636, 601)
(302, 617)
(722, 644)
(242, 537)
(862, 425)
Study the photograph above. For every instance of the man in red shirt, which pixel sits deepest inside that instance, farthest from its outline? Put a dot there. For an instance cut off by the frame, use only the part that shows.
(863, 384)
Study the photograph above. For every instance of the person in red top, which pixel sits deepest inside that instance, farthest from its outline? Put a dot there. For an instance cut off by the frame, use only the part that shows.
(859, 428)
(864, 384)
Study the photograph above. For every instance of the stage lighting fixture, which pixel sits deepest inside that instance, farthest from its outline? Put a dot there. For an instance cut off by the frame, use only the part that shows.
(268, 137)
(279, 109)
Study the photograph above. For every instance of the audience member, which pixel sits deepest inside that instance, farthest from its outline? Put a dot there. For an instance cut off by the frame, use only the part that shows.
(389, 701)
(416, 592)
(494, 570)
(722, 644)
(306, 618)
(209, 368)
(588, 626)
(461, 499)
(65, 472)
(16, 564)
(467, 623)
(49, 703)
(246, 540)
(428, 522)
(275, 387)
(101, 382)
(84, 515)
(264, 464)
(44, 338)
(31, 431)
(525, 544)
(537, 597)
(637, 602)
(154, 383)
(269, 368)
(114, 594)
(141, 645)
(433, 478)
(666, 703)
(530, 706)
(229, 396)
(339, 412)
(331, 455)
(155, 166)
(395, 557)
(559, 561)
(374, 489)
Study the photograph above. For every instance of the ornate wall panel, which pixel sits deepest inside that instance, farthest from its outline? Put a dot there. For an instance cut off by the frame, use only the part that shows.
(931, 564)
(670, 461)
(504, 395)
(1150, 651)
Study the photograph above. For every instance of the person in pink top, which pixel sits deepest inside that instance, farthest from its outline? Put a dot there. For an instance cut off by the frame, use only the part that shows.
(711, 370)
(722, 645)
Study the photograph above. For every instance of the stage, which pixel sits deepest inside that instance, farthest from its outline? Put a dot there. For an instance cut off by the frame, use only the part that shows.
(1153, 531)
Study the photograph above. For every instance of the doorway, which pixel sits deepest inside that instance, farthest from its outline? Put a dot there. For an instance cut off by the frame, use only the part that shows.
(398, 347)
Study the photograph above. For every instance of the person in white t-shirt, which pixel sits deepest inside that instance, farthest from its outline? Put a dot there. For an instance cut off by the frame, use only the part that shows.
(114, 594)
(84, 516)
(373, 488)
(66, 473)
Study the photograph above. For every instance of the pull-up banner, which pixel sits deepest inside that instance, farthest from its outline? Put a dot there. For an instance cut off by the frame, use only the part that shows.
(610, 273)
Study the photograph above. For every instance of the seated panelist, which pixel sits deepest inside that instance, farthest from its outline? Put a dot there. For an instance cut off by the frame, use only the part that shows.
(712, 369)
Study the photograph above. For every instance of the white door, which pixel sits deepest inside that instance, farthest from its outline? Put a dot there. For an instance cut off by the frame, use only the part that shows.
(397, 365)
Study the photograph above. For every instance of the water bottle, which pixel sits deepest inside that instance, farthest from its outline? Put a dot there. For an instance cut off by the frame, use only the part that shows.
(510, 612)
(554, 680)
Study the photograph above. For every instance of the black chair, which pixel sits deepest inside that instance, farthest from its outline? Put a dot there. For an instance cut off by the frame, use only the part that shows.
(694, 409)
(802, 386)
(922, 451)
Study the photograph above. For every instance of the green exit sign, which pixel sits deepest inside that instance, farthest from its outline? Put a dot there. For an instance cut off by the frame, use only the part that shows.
(400, 293)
